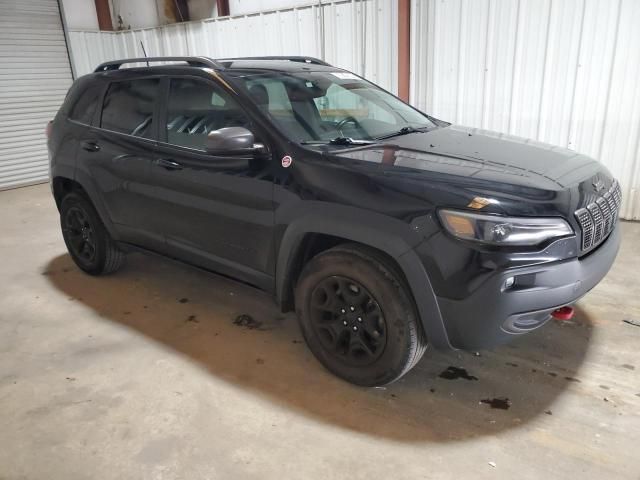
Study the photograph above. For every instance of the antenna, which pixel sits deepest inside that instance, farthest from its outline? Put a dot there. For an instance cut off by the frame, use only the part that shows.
(144, 51)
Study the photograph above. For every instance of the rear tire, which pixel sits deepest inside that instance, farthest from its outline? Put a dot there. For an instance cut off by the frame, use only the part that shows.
(88, 242)
(357, 316)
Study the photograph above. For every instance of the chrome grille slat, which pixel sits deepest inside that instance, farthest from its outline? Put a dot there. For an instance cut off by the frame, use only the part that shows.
(598, 218)
(598, 221)
(586, 224)
(611, 202)
(616, 195)
(606, 213)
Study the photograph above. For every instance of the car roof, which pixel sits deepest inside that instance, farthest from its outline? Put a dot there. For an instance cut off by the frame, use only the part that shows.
(273, 65)
(264, 64)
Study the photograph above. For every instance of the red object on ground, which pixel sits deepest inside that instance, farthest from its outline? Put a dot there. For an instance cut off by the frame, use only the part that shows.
(563, 313)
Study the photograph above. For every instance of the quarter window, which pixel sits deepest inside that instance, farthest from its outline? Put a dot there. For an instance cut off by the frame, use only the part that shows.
(82, 111)
(196, 108)
(129, 105)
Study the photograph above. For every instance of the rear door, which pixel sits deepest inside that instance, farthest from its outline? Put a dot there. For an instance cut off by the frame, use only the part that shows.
(214, 211)
(116, 154)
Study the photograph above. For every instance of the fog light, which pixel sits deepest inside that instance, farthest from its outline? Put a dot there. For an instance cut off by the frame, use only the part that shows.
(509, 282)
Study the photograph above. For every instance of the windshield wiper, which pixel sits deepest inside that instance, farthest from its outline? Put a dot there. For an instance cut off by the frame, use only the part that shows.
(403, 131)
(339, 141)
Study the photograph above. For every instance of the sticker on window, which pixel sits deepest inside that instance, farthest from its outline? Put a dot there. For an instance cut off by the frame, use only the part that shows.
(345, 75)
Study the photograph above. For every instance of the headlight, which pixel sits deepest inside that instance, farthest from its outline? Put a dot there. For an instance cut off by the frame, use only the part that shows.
(497, 230)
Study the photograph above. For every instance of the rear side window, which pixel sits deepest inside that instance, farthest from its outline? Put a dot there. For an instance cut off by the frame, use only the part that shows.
(128, 107)
(85, 105)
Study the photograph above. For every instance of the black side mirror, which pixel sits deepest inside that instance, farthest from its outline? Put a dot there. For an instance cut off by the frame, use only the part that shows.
(232, 141)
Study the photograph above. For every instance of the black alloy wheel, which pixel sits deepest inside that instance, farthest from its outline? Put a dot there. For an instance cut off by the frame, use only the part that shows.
(348, 320)
(80, 234)
(89, 244)
(357, 315)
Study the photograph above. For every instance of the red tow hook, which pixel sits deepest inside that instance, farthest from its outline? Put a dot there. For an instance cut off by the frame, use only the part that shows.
(563, 313)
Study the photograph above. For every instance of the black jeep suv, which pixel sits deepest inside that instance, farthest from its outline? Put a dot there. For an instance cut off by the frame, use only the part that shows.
(385, 228)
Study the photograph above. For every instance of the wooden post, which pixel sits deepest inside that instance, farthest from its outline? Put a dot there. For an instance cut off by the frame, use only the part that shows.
(223, 8)
(404, 48)
(104, 15)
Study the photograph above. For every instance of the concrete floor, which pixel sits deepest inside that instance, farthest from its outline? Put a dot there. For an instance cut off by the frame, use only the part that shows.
(143, 374)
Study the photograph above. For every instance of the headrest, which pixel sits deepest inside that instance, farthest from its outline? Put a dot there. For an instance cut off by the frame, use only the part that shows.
(259, 94)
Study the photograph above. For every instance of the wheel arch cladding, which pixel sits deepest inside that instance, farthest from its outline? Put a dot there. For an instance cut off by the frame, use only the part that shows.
(61, 186)
(83, 185)
(390, 237)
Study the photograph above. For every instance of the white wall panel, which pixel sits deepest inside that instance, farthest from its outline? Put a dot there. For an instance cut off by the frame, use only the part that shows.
(559, 71)
(358, 35)
(80, 14)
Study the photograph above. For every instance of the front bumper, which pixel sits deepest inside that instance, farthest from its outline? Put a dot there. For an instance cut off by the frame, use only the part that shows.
(493, 315)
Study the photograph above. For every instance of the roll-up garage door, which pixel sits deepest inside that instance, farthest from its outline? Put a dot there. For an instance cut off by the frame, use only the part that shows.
(34, 78)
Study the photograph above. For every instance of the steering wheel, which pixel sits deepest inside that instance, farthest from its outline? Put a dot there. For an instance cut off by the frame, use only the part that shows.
(345, 121)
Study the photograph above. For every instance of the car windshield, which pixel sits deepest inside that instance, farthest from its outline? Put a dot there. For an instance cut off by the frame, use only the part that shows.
(320, 107)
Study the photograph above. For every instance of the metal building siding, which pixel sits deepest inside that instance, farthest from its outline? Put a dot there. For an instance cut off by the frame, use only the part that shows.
(34, 77)
(559, 71)
(357, 35)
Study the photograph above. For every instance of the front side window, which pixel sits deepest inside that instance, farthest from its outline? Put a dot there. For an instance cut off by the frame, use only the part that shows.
(195, 108)
(318, 106)
(128, 107)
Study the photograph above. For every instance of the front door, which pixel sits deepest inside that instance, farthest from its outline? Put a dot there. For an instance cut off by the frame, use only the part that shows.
(214, 211)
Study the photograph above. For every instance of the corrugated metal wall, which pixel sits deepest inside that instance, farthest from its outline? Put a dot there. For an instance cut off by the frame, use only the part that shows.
(559, 71)
(358, 35)
(34, 77)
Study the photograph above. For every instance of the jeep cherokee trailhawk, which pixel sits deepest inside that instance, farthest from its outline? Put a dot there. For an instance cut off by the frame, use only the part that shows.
(384, 228)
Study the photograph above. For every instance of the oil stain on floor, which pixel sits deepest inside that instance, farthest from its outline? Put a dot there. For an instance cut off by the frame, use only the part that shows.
(453, 373)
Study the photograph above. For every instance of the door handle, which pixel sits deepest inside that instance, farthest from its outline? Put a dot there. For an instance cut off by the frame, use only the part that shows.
(90, 146)
(168, 164)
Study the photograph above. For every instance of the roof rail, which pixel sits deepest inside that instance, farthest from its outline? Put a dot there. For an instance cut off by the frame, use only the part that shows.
(301, 59)
(192, 61)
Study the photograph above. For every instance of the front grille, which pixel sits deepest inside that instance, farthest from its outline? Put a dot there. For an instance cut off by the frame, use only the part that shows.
(598, 218)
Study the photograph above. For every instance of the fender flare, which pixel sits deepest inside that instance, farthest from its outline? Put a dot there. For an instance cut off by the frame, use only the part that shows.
(380, 232)
(90, 189)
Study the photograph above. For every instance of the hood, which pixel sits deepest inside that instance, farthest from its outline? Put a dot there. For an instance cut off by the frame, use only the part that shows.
(481, 155)
(450, 166)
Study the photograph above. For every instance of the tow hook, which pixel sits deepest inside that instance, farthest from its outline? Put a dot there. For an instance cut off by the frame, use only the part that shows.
(563, 313)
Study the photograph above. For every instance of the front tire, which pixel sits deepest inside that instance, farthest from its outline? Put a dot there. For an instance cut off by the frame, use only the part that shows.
(357, 317)
(87, 240)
